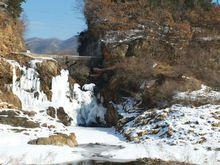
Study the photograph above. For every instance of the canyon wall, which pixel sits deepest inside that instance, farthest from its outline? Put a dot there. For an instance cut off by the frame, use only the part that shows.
(151, 48)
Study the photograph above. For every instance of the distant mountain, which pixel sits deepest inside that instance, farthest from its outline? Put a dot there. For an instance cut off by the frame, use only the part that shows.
(52, 45)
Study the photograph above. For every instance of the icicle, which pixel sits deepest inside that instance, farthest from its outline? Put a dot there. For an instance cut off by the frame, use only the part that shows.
(80, 105)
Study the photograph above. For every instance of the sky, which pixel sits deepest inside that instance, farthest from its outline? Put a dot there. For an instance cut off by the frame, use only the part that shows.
(53, 18)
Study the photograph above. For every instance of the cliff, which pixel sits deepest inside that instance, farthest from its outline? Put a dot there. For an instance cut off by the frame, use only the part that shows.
(11, 34)
(11, 40)
(152, 49)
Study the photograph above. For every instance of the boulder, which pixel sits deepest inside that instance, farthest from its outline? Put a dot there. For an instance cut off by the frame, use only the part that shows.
(59, 140)
(12, 118)
(9, 100)
(60, 114)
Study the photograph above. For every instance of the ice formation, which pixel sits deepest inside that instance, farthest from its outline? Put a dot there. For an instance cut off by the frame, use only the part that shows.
(80, 105)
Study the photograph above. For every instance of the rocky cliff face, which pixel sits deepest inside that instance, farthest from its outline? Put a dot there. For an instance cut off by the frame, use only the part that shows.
(41, 85)
(11, 34)
(134, 25)
(134, 28)
(33, 87)
(148, 50)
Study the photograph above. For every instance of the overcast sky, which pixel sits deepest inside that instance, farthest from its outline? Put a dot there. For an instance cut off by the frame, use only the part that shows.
(53, 18)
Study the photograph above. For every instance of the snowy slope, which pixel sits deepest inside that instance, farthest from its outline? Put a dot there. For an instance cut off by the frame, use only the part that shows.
(178, 133)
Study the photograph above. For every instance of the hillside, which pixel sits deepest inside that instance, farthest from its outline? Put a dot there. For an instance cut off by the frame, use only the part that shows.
(160, 75)
(53, 45)
(132, 36)
(11, 34)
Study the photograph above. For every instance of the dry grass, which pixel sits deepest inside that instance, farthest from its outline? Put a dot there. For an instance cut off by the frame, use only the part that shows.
(177, 51)
(136, 77)
(11, 34)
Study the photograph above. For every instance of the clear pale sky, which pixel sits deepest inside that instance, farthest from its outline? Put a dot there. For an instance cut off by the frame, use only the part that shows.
(53, 18)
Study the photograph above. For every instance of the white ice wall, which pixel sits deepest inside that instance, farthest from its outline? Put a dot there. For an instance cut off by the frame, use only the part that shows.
(80, 105)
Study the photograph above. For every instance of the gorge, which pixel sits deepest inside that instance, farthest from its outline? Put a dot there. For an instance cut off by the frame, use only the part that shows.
(153, 99)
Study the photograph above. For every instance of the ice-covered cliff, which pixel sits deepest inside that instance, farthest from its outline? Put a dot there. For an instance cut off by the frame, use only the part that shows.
(79, 103)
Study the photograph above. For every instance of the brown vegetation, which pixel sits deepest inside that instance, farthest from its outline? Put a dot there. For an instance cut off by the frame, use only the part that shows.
(182, 37)
(11, 34)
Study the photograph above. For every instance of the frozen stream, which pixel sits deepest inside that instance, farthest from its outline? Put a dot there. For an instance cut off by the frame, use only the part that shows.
(95, 144)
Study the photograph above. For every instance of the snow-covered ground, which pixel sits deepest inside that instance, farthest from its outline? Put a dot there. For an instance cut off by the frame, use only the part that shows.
(179, 133)
(106, 145)
(205, 93)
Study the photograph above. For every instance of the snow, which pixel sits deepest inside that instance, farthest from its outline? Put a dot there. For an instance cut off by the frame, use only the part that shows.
(28, 86)
(89, 87)
(210, 38)
(183, 133)
(204, 93)
(114, 37)
(15, 150)
(188, 125)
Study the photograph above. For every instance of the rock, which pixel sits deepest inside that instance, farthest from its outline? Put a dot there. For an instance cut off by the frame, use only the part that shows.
(63, 117)
(11, 34)
(6, 96)
(58, 140)
(60, 114)
(216, 124)
(155, 131)
(170, 132)
(21, 59)
(18, 122)
(111, 116)
(147, 161)
(30, 114)
(51, 112)
(12, 100)
(9, 113)
(11, 118)
(47, 70)
(142, 133)
(118, 51)
(6, 73)
(202, 140)
(44, 125)
(4, 105)
(123, 121)
(51, 126)
(18, 130)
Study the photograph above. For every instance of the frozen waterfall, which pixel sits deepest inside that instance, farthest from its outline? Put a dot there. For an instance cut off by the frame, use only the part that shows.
(80, 105)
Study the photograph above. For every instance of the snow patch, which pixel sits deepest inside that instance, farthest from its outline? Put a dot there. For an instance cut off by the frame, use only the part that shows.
(114, 37)
(183, 133)
(204, 93)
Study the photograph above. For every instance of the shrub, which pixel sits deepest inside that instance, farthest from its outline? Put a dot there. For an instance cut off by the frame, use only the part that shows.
(14, 7)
